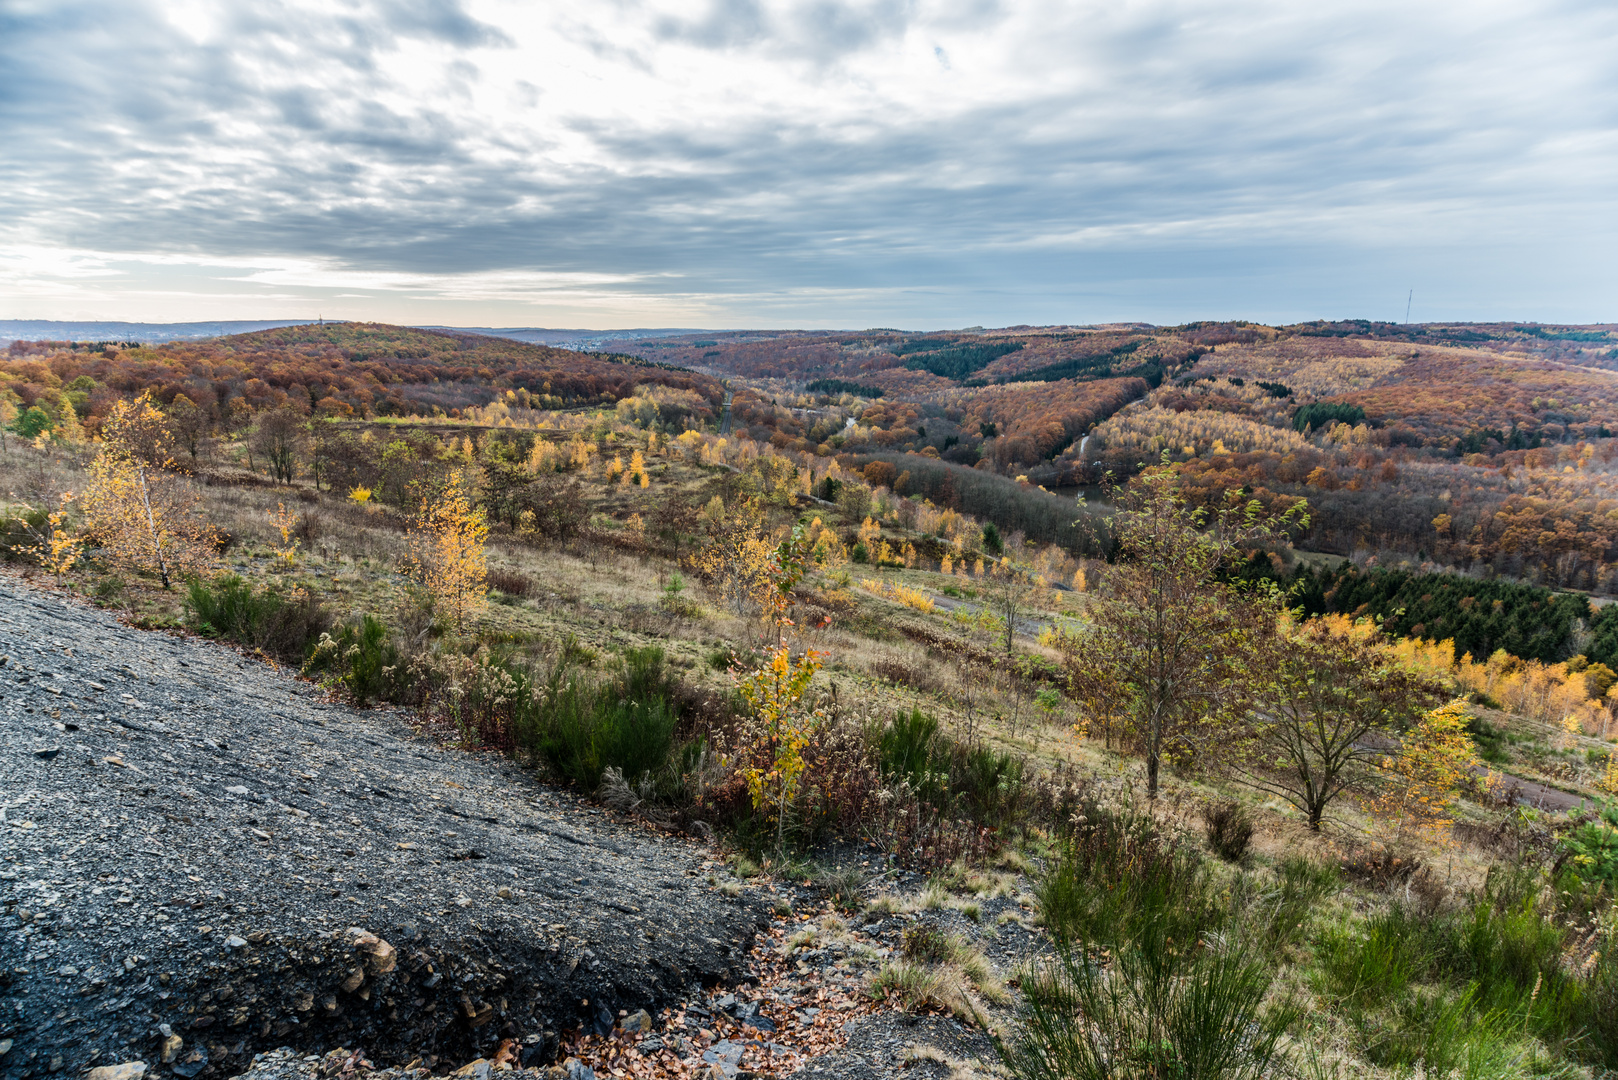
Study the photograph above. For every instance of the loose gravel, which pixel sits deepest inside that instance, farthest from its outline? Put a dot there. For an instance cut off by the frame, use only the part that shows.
(201, 859)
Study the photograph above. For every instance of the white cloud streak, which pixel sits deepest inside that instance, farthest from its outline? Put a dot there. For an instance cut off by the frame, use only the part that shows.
(812, 162)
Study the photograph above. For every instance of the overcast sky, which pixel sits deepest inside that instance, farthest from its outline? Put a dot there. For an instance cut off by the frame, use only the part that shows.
(740, 163)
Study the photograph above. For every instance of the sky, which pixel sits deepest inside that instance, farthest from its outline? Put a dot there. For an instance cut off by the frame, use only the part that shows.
(808, 163)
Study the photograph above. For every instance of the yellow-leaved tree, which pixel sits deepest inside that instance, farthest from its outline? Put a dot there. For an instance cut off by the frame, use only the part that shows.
(783, 724)
(57, 549)
(783, 727)
(738, 561)
(139, 508)
(1437, 760)
(8, 416)
(448, 548)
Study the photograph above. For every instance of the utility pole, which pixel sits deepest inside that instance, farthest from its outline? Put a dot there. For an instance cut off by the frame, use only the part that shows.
(1409, 298)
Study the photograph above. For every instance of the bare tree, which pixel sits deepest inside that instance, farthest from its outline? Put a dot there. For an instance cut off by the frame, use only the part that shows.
(279, 437)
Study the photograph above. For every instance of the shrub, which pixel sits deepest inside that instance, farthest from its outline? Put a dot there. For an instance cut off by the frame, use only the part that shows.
(627, 723)
(361, 659)
(286, 628)
(21, 528)
(1229, 829)
(1119, 874)
(1158, 1009)
(1591, 850)
(929, 943)
(510, 582)
(1489, 740)
(1361, 971)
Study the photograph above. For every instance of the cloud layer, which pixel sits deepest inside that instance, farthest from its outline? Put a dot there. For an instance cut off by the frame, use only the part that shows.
(807, 162)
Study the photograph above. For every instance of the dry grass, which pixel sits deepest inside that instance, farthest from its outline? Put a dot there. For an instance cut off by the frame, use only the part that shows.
(605, 598)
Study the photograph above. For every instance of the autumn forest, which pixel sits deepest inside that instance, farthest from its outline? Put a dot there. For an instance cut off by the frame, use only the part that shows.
(1221, 689)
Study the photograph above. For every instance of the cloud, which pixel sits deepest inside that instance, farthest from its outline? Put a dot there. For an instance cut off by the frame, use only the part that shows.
(747, 160)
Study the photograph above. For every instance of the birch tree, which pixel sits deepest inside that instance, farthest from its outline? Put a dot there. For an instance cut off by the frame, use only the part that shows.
(139, 507)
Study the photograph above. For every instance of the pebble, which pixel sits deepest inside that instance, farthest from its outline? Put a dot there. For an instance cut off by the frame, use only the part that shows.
(639, 1020)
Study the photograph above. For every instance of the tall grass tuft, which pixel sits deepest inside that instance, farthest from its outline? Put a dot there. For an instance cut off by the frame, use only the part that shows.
(1159, 1008)
(1119, 876)
(581, 728)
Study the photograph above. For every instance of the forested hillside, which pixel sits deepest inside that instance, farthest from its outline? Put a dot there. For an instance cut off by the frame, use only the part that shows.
(338, 369)
(1021, 748)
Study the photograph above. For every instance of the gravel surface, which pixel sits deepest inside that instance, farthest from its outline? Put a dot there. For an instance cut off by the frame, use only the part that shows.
(201, 859)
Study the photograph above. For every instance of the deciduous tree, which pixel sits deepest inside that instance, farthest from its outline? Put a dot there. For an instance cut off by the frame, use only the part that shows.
(1164, 656)
(1437, 759)
(279, 438)
(448, 548)
(738, 560)
(138, 505)
(1325, 707)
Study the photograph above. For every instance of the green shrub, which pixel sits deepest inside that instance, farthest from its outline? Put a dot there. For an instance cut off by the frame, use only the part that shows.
(1592, 848)
(20, 528)
(1118, 876)
(1158, 1009)
(627, 723)
(1361, 969)
(1489, 740)
(1229, 829)
(360, 658)
(971, 781)
(1446, 1034)
(909, 748)
(263, 619)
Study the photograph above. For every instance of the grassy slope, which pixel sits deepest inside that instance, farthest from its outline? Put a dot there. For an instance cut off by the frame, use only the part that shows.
(606, 598)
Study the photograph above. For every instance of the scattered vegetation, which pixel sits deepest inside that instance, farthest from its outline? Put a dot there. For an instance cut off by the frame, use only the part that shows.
(556, 557)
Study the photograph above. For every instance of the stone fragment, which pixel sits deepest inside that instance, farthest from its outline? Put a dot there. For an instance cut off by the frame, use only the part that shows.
(574, 1069)
(234, 942)
(355, 978)
(639, 1020)
(129, 1070)
(171, 1047)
